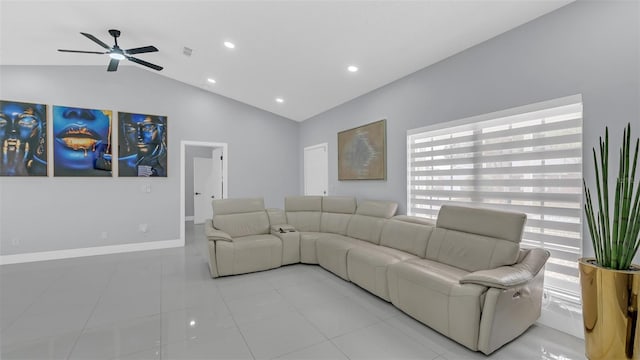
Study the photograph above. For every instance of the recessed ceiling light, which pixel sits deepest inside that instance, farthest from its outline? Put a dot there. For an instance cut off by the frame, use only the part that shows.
(229, 44)
(212, 81)
(352, 68)
(279, 100)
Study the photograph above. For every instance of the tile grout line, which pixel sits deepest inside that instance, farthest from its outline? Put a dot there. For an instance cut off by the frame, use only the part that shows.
(35, 298)
(412, 337)
(307, 320)
(75, 343)
(236, 323)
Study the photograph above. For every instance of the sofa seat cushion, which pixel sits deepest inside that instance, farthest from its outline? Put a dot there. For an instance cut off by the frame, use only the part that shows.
(431, 293)
(308, 254)
(248, 254)
(367, 267)
(332, 252)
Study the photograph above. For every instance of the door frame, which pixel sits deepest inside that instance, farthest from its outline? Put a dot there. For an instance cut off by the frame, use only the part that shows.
(324, 146)
(183, 154)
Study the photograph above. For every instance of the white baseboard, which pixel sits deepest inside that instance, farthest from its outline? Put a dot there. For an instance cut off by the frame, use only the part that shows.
(188, 218)
(90, 251)
(563, 317)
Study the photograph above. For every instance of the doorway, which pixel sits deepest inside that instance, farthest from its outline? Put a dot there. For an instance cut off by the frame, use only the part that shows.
(207, 184)
(213, 156)
(316, 169)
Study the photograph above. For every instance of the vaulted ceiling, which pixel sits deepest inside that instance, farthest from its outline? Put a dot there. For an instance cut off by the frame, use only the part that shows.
(298, 51)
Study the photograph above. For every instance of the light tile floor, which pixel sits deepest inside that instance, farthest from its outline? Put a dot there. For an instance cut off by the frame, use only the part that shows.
(163, 304)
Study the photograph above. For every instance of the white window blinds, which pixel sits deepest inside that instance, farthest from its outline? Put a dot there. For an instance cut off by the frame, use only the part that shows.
(527, 159)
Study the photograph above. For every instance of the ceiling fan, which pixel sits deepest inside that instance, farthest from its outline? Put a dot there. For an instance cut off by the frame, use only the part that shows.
(116, 53)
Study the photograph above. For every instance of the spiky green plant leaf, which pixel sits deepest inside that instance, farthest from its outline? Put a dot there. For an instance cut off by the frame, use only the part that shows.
(615, 236)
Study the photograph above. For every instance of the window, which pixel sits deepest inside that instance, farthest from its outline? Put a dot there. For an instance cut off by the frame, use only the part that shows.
(527, 159)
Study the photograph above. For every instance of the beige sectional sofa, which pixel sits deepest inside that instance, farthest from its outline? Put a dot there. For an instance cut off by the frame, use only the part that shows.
(464, 275)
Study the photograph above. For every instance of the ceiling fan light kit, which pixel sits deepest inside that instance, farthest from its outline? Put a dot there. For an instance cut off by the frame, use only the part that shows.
(116, 53)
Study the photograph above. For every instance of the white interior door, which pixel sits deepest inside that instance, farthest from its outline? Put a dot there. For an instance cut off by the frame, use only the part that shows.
(316, 170)
(203, 189)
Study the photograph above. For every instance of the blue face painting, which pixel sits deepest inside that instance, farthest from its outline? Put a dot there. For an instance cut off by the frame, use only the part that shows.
(20, 123)
(22, 138)
(144, 132)
(143, 145)
(82, 136)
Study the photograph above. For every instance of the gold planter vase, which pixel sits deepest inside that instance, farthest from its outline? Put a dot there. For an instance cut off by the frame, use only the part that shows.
(610, 311)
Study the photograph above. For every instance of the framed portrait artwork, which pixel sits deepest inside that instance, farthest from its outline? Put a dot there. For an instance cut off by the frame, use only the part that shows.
(362, 152)
(23, 139)
(142, 145)
(81, 141)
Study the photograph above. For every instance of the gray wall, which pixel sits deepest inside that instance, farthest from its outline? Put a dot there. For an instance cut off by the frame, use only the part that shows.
(191, 152)
(55, 213)
(589, 48)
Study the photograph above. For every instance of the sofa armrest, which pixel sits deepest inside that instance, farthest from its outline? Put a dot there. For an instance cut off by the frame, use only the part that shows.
(283, 228)
(505, 277)
(214, 234)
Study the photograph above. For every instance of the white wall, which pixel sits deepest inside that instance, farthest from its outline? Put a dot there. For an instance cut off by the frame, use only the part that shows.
(55, 213)
(588, 47)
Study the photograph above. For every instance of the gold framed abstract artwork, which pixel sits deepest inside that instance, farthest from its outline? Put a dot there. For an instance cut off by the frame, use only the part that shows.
(362, 152)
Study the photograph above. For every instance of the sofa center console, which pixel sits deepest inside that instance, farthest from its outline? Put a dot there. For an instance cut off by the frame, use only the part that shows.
(290, 243)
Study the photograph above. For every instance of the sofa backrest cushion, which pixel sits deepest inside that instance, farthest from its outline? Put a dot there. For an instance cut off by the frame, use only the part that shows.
(236, 206)
(240, 217)
(377, 208)
(336, 214)
(476, 239)
(470, 252)
(415, 220)
(407, 233)
(303, 212)
(505, 225)
(339, 204)
(276, 216)
(368, 221)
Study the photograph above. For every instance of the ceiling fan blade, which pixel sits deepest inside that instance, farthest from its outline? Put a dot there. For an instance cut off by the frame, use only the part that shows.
(142, 62)
(96, 40)
(113, 65)
(140, 50)
(83, 52)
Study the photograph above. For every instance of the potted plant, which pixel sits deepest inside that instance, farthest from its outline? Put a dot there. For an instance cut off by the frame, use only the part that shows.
(611, 283)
